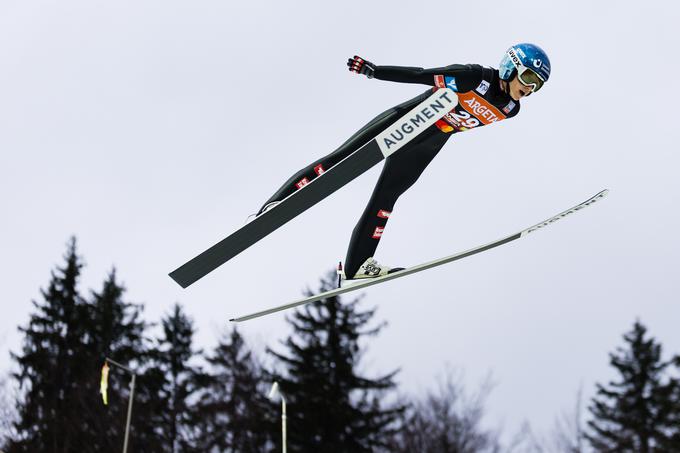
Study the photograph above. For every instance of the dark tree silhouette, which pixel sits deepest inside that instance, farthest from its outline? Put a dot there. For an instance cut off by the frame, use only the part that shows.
(48, 371)
(332, 407)
(112, 328)
(171, 361)
(64, 346)
(234, 414)
(639, 411)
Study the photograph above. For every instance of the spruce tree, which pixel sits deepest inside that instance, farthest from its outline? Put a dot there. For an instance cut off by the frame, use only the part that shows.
(65, 344)
(114, 329)
(48, 367)
(172, 358)
(235, 415)
(331, 406)
(639, 411)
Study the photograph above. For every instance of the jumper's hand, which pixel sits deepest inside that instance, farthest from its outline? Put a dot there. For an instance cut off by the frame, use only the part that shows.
(361, 66)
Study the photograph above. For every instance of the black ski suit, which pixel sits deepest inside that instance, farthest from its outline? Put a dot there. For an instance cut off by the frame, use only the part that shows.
(481, 101)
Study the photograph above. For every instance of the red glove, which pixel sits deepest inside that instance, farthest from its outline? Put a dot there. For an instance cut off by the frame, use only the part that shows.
(361, 66)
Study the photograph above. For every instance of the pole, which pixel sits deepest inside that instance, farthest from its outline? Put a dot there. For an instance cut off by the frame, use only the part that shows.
(129, 412)
(283, 422)
(130, 400)
(273, 393)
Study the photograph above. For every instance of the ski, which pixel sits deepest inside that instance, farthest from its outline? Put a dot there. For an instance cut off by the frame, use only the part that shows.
(383, 145)
(360, 284)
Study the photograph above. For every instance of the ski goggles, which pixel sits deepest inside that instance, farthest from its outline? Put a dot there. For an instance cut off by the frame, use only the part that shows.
(529, 78)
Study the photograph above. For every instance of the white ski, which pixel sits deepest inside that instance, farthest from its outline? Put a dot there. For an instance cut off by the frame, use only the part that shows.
(421, 267)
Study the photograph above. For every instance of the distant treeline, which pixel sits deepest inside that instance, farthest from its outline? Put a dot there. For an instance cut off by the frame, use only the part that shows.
(190, 400)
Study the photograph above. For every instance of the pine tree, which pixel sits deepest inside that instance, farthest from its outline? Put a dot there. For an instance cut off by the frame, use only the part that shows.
(172, 359)
(114, 329)
(235, 415)
(331, 407)
(638, 412)
(65, 344)
(49, 370)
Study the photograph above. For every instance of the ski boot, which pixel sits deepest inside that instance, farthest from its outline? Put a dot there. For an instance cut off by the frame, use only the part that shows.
(370, 269)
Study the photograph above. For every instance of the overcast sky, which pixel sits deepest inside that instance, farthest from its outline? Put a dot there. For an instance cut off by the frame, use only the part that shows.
(151, 129)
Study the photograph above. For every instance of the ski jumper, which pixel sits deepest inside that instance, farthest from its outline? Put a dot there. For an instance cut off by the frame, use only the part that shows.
(481, 101)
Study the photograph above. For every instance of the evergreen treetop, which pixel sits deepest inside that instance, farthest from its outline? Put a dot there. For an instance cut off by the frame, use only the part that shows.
(332, 406)
(638, 412)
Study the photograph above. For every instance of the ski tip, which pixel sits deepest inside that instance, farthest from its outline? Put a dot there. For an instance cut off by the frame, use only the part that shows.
(232, 320)
(601, 194)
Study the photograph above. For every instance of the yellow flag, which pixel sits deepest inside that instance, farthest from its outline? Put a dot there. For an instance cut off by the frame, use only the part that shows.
(104, 385)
